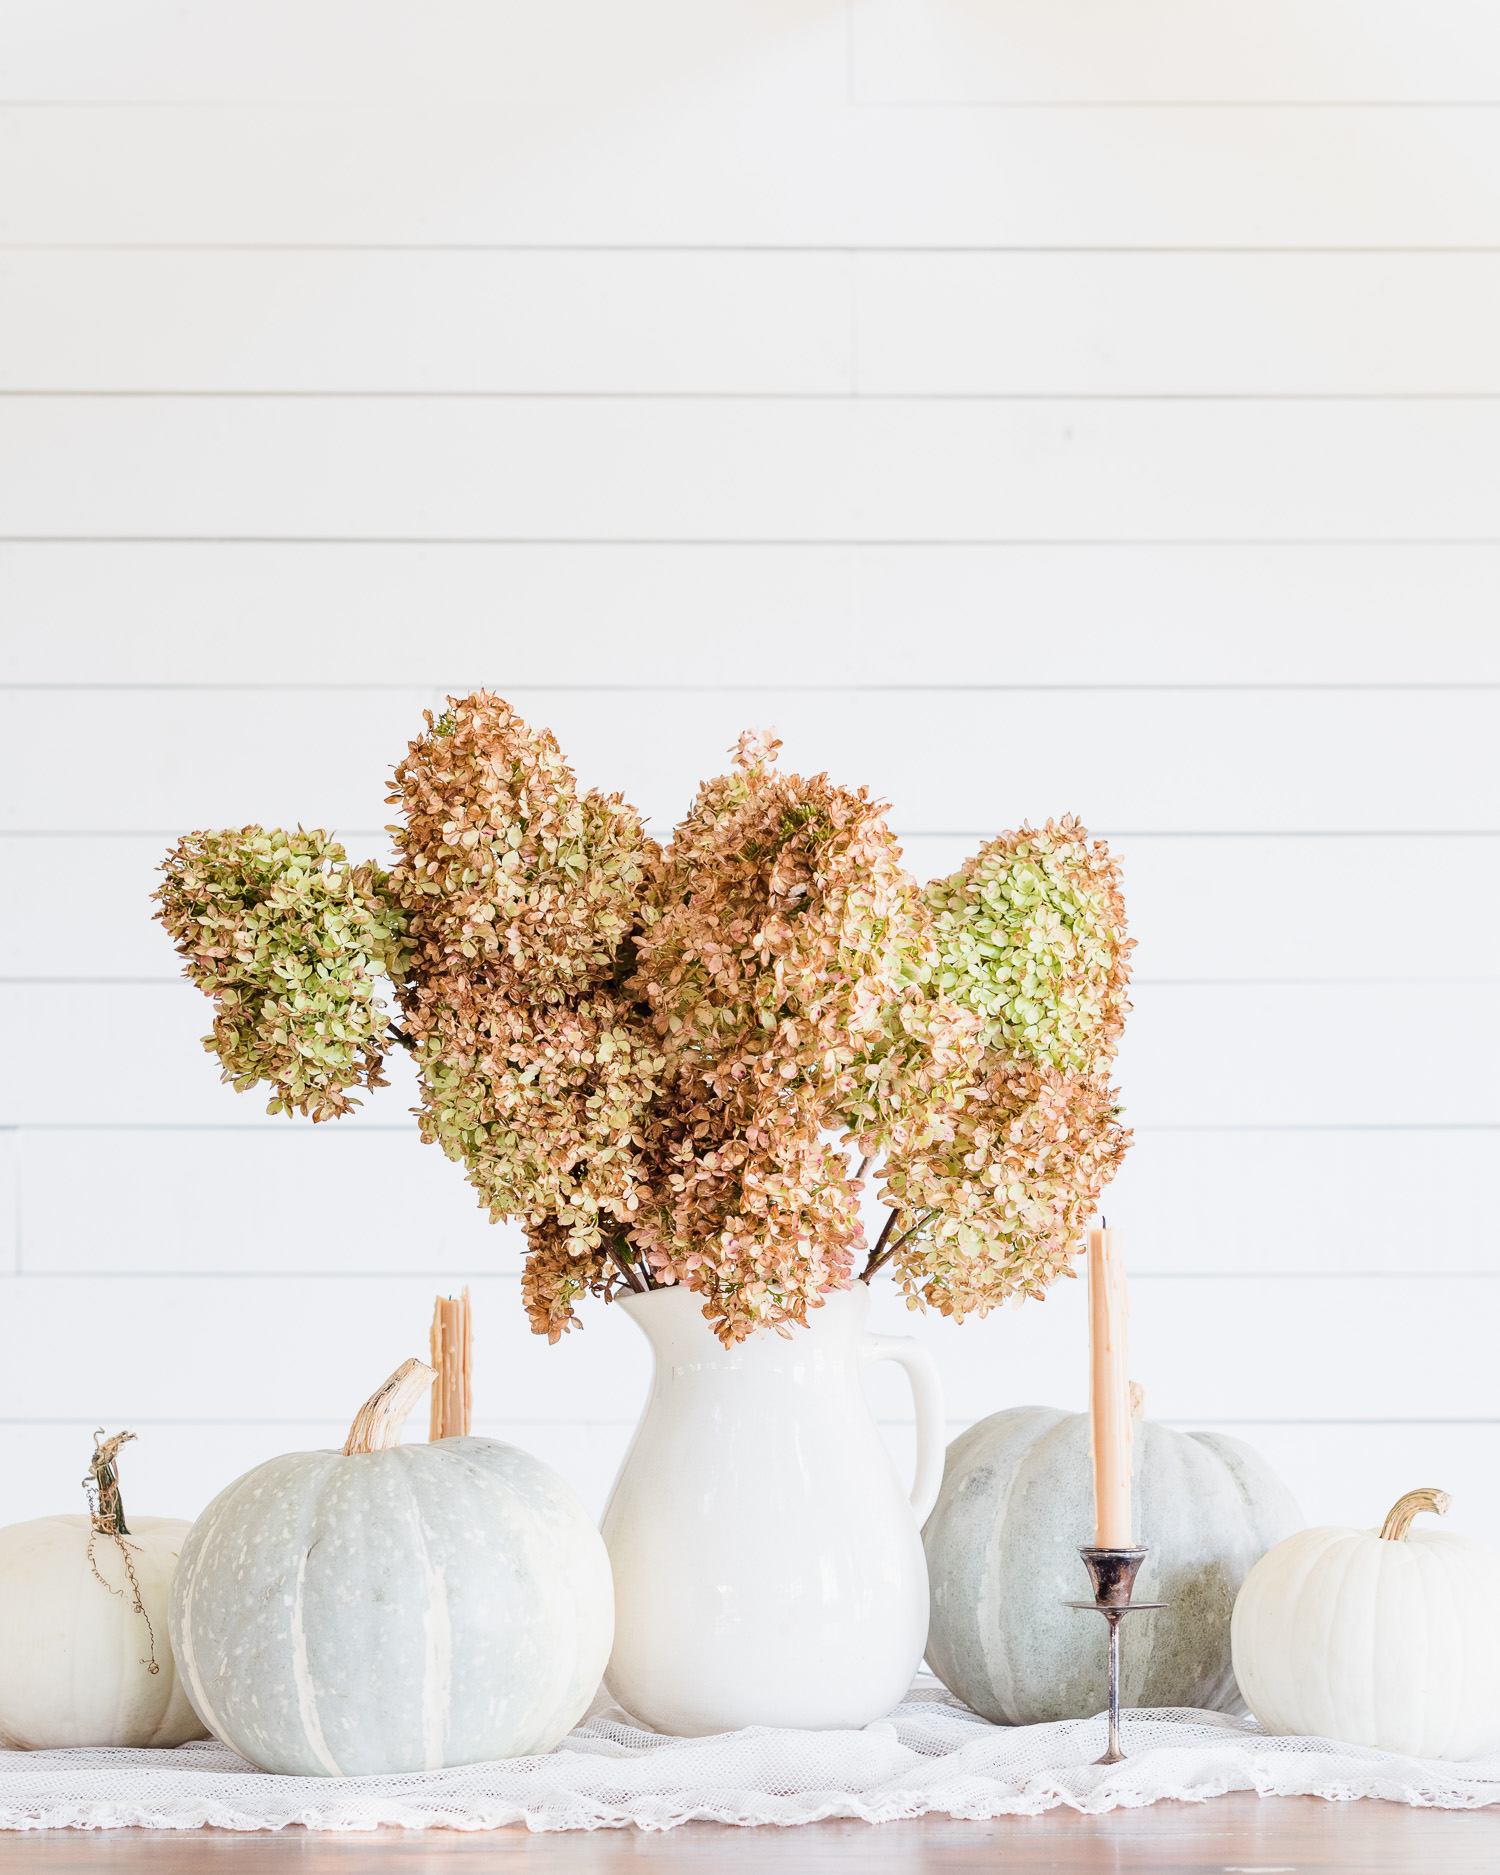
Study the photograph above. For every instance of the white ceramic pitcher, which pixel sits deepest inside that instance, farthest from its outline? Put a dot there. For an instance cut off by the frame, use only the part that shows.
(768, 1561)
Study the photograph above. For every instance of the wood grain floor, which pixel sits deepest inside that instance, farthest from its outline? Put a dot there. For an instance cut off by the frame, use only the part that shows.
(1233, 1835)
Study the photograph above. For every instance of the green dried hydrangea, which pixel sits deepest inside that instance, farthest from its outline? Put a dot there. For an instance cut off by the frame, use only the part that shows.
(289, 939)
(1030, 935)
(1030, 938)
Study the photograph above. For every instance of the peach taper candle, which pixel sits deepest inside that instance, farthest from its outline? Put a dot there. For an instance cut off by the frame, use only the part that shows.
(1109, 1390)
(453, 1389)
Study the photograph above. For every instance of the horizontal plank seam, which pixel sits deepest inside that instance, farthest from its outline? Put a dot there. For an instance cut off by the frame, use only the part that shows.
(901, 833)
(851, 105)
(273, 394)
(1050, 543)
(308, 1129)
(861, 104)
(948, 543)
(534, 687)
(319, 1419)
(808, 249)
(1140, 983)
(487, 1273)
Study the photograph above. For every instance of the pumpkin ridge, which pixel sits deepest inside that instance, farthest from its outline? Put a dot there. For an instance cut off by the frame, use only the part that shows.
(437, 1623)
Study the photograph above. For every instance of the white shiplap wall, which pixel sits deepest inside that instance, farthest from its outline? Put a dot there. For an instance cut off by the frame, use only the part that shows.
(1024, 405)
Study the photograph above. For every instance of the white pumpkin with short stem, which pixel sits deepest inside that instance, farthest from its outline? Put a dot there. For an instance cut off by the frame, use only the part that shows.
(393, 1608)
(1381, 1638)
(84, 1657)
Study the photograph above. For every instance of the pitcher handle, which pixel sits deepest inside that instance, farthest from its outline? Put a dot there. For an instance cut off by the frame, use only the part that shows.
(927, 1393)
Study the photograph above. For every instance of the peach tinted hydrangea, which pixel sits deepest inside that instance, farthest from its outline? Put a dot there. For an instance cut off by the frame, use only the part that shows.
(519, 895)
(786, 962)
(664, 1064)
(788, 957)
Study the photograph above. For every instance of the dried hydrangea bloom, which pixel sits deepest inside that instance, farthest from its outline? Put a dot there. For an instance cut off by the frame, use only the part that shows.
(544, 1108)
(521, 896)
(788, 958)
(289, 939)
(560, 1270)
(787, 962)
(642, 1055)
(1030, 934)
(999, 1210)
(509, 875)
(761, 1220)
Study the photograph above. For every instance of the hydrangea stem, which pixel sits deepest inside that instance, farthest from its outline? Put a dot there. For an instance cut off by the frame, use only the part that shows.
(638, 1279)
(875, 1257)
(884, 1250)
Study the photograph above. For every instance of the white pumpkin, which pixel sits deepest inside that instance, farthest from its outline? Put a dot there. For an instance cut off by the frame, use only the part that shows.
(1381, 1638)
(393, 1608)
(1002, 1559)
(84, 1655)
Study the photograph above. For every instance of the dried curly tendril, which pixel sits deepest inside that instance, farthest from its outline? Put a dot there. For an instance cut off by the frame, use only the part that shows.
(521, 896)
(1030, 939)
(290, 940)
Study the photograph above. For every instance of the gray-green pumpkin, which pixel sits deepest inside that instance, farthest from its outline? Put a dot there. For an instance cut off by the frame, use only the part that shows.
(1002, 1558)
(392, 1608)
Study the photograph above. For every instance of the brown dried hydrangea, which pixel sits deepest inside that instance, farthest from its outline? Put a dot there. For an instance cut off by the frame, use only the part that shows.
(290, 940)
(1000, 1210)
(520, 895)
(788, 957)
(662, 1063)
(786, 961)
(761, 1220)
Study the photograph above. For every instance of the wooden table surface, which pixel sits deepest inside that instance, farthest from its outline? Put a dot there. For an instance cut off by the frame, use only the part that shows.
(1233, 1835)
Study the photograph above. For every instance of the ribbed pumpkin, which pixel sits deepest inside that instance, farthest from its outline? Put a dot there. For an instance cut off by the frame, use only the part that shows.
(84, 1658)
(1002, 1558)
(1383, 1638)
(393, 1608)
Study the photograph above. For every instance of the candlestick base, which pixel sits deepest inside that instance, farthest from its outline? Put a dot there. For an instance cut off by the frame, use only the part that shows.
(1113, 1573)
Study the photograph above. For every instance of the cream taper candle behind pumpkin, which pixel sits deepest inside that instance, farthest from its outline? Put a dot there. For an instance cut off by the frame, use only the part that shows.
(1109, 1390)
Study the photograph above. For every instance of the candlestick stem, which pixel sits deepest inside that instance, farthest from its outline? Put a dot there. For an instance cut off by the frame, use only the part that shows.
(1113, 1753)
(1113, 1573)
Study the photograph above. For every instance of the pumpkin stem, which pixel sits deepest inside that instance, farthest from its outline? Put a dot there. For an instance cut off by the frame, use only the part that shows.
(377, 1424)
(103, 1485)
(1397, 1524)
(107, 1518)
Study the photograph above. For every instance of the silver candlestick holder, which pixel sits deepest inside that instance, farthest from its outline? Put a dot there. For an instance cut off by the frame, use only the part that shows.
(1113, 1573)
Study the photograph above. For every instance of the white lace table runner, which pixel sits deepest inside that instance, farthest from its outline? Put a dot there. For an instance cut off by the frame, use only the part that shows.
(929, 1755)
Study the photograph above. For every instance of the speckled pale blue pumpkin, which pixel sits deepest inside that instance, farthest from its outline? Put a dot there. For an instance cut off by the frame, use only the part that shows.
(395, 1610)
(1002, 1560)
